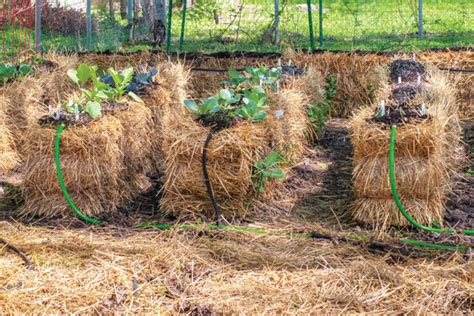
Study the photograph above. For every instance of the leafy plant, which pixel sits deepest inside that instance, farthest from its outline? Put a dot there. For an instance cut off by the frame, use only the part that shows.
(223, 101)
(319, 112)
(269, 168)
(121, 81)
(254, 105)
(82, 75)
(10, 72)
(63, 20)
(96, 90)
(254, 77)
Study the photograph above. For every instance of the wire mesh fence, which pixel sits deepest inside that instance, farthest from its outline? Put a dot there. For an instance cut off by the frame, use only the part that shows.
(243, 25)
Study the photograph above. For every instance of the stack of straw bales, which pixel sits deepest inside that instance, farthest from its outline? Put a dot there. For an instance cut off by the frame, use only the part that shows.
(105, 162)
(424, 155)
(232, 153)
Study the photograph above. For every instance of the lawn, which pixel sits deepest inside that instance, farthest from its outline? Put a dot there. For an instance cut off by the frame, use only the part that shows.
(375, 25)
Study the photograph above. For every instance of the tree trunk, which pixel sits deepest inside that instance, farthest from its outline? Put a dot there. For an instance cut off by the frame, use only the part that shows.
(123, 9)
(159, 22)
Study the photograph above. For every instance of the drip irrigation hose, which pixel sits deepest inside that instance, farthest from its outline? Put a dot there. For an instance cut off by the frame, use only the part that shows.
(215, 206)
(407, 216)
(61, 179)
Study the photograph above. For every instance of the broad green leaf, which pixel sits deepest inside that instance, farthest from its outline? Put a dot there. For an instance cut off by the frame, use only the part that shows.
(191, 105)
(102, 95)
(83, 73)
(127, 74)
(72, 74)
(260, 116)
(24, 69)
(93, 109)
(225, 94)
(135, 97)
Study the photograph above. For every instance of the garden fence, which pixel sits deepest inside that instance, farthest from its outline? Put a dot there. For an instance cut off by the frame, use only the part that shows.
(230, 25)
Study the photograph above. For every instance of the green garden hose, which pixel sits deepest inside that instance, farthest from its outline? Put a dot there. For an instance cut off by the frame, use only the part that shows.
(393, 185)
(410, 219)
(61, 179)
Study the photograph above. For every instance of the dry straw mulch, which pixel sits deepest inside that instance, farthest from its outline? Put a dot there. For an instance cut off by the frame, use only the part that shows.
(425, 156)
(8, 154)
(110, 270)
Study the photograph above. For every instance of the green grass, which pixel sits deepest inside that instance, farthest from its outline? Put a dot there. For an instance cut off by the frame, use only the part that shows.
(371, 25)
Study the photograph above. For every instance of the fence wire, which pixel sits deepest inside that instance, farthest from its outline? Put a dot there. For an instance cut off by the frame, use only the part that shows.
(246, 25)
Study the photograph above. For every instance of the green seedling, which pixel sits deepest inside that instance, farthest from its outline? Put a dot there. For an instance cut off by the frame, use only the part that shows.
(319, 112)
(254, 77)
(269, 168)
(223, 101)
(10, 72)
(121, 81)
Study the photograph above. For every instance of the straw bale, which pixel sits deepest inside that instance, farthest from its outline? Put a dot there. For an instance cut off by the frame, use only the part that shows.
(136, 144)
(288, 123)
(8, 155)
(382, 213)
(357, 81)
(423, 139)
(416, 176)
(92, 165)
(231, 156)
(167, 96)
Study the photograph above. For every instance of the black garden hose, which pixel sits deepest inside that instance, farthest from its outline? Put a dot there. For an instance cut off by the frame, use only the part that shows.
(215, 206)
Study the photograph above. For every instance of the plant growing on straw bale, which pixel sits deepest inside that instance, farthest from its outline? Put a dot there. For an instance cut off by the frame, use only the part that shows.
(10, 72)
(105, 151)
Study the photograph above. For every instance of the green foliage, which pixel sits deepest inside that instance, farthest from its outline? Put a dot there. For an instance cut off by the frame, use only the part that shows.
(252, 77)
(203, 9)
(470, 172)
(254, 105)
(121, 80)
(95, 91)
(248, 104)
(10, 72)
(268, 168)
(319, 112)
(223, 101)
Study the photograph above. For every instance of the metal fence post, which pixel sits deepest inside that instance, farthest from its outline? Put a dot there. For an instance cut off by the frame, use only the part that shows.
(421, 32)
(38, 25)
(321, 36)
(168, 34)
(310, 22)
(183, 21)
(276, 25)
(89, 25)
